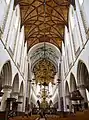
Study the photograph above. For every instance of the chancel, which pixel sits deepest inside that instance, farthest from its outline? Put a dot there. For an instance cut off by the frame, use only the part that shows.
(44, 61)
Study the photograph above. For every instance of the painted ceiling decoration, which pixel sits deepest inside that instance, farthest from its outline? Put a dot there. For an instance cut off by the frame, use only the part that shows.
(44, 20)
(44, 53)
(48, 52)
(44, 72)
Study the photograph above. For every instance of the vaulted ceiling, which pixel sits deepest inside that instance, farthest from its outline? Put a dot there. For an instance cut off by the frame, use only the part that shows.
(44, 20)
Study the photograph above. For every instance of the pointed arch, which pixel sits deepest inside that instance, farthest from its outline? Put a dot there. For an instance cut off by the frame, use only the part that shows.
(6, 74)
(15, 86)
(73, 86)
(82, 74)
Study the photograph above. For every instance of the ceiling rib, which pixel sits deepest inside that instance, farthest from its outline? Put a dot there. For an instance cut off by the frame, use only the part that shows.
(52, 28)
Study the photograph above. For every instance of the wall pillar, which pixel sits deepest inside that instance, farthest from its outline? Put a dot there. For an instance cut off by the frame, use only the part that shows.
(59, 105)
(6, 90)
(67, 101)
(14, 95)
(83, 92)
(80, 22)
(29, 90)
(20, 106)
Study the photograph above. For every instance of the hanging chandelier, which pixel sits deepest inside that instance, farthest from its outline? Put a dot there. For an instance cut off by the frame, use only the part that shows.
(44, 72)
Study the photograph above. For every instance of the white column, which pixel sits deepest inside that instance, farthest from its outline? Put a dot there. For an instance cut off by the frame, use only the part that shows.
(29, 91)
(67, 100)
(6, 91)
(20, 106)
(59, 106)
(64, 99)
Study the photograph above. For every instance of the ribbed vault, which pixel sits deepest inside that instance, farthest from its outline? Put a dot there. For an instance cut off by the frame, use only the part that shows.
(44, 20)
(44, 62)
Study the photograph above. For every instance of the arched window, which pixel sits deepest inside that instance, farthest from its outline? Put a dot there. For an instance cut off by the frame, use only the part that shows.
(68, 46)
(71, 17)
(3, 13)
(74, 29)
(20, 47)
(84, 6)
(14, 30)
(81, 2)
(7, 1)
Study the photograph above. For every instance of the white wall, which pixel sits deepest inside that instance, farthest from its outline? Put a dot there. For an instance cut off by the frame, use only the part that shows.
(12, 44)
(79, 45)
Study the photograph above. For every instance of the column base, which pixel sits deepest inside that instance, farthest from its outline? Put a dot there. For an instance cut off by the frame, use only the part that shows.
(2, 115)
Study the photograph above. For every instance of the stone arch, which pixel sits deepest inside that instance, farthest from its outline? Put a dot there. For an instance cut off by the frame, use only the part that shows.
(15, 86)
(38, 48)
(6, 74)
(73, 86)
(82, 79)
(5, 83)
(82, 75)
